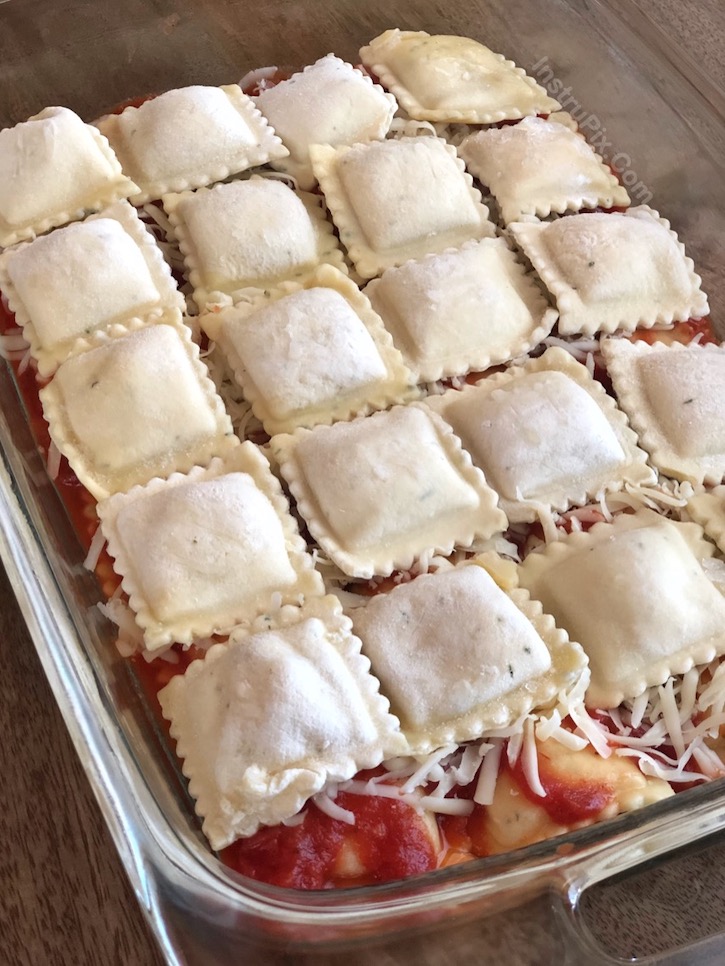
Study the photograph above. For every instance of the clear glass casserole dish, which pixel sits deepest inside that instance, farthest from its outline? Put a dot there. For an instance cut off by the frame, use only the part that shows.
(665, 133)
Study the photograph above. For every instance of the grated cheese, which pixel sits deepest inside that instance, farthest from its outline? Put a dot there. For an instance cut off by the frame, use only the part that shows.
(709, 762)
(446, 806)
(470, 762)
(421, 775)
(513, 748)
(713, 695)
(710, 726)
(258, 77)
(488, 775)
(297, 819)
(546, 726)
(530, 760)
(639, 706)
(601, 499)
(688, 694)
(597, 736)
(569, 740)
(671, 715)
(407, 127)
(581, 349)
(653, 737)
(26, 361)
(324, 800)
(547, 520)
(130, 637)
(617, 719)
(649, 766)
(94, 551)
(668, 494)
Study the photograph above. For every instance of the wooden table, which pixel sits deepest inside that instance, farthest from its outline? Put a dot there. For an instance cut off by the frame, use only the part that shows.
(64, 897)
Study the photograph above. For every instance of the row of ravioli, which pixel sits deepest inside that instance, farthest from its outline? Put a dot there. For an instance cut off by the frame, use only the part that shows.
(377, 494)
(313, 350)
(306, 698)
(390, 200)
(54, 167)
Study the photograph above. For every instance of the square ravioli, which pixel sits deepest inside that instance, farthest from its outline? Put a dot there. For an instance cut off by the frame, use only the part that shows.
(249, 234)
(674, 398)
(708, 509)
(505, 658)
(54, 169)
(264, 722)
(539, 166)
(634, 594)
(64, 286)
(310, 353)
(399, 199)
(453, 79)
(545, 434)
(190, 137)
(203, 552)
(610, 271)
(329, 102)
(382, 490)
(138, 405)
(461, 310)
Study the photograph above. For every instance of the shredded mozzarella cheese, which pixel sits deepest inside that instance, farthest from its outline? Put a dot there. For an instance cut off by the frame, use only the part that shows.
(294, 820)
(94, 551)
(257, 77)
(487, 776)
(530, 760)
(324, 800)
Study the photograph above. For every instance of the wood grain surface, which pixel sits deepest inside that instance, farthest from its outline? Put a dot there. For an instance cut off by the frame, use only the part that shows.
(64, 898)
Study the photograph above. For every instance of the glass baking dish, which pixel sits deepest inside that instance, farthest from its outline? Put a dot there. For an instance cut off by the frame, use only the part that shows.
(661, 123)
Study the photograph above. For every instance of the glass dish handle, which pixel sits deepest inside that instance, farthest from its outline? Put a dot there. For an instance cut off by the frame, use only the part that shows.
(665, 912)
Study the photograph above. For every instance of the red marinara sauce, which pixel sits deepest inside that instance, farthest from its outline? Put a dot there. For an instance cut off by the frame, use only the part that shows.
(567, 800)
(79, 503)
(388, 841)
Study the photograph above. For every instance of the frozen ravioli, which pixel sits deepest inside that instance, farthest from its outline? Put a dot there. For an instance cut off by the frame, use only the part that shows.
(399, 199)
(613, 271)
(265, 721)
(54, 169)
(136, 406)
(546, 434)
(634, 594)
(190, 137)
(77, 280)
(382, 490)
(249, 235)
(504, 659)
(202, 552)
(674, 398)
(453, 79)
